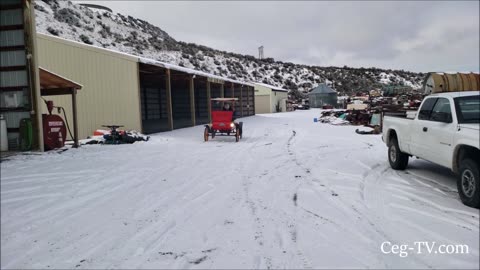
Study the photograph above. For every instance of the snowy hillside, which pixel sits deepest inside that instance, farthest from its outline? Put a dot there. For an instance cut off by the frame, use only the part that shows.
(138, 37)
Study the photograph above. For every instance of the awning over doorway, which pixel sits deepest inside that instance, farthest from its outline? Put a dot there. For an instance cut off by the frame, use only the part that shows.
(52, 84)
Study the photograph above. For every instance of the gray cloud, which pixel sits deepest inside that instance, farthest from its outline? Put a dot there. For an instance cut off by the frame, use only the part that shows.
(418, 36)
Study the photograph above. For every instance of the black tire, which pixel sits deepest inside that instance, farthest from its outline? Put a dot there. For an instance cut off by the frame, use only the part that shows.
(205, 134)
(397, 159)
(468, 183)
(213, 134)
(237, 135)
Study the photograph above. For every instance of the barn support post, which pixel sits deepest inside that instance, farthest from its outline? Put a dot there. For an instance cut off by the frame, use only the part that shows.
(241, 100)
(140, 118)
(192, 100)
(209, 104)
(169, 99)
(75, 118)
(233, 90)
(222, 90)
(253, 100)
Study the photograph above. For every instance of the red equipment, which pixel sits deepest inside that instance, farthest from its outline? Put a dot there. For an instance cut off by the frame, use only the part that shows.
(221, 120)
(223, 123)
(54, 129)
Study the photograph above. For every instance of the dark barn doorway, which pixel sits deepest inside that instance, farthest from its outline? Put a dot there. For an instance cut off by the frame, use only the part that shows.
(153, 96)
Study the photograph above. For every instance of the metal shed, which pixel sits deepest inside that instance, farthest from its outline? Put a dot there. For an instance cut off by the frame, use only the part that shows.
(19, 86)
(270, 99)
(322, 95)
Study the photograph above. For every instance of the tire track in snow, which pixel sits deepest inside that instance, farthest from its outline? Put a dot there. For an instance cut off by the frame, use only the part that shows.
(337, 204)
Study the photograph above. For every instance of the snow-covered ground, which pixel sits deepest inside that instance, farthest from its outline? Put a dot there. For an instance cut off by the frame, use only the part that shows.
(291, 194)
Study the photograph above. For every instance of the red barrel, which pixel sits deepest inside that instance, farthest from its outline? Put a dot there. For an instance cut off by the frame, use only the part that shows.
(54, 131)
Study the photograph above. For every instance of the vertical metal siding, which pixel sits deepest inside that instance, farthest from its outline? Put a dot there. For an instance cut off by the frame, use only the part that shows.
(11, 17)
(13, 78)
(12, 38)
(110, 93)
(13, 58)
(11, 2)
(277, 97)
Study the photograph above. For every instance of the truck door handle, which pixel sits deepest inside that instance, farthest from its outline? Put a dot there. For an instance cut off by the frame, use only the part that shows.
(425, 129)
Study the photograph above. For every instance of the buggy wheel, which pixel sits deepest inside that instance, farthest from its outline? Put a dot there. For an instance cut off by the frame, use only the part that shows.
(237, 135)
(205, 134)
(213, 134)
(241, 129)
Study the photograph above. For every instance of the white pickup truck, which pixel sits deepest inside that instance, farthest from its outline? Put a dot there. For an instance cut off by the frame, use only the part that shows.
(445, 131)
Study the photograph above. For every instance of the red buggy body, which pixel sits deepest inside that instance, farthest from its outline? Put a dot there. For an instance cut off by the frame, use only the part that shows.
(223, 121)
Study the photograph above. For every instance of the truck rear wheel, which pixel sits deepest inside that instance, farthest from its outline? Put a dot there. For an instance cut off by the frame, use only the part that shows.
(468, 183)
(397, 159)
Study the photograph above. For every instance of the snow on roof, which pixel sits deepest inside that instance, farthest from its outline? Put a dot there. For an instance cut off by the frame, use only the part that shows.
(188, 70)
(146, 60)
(271, 87)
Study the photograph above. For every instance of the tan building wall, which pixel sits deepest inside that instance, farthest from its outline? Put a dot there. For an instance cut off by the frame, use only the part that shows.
(110, 92)
(262, 99)
(266, 99)
(262, 104)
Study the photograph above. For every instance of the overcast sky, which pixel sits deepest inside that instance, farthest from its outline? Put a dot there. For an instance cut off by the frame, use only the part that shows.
(416, 36)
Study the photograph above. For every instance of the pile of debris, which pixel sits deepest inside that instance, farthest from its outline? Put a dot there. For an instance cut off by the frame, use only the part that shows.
(334, 117)
(367, 110)
(114, 136)
(369, 118)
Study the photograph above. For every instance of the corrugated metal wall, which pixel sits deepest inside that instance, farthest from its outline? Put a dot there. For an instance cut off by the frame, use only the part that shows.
(277, 98)
(15, 89)
(110, 93)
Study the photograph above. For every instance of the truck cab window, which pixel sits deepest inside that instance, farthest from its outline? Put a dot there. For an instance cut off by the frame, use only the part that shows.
(468, 109)
(426, 109)
(441, 112)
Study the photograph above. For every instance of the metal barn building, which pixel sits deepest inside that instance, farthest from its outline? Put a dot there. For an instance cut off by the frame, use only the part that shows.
(138, 93)
(270, 99)
(322, 95)
(19, 79)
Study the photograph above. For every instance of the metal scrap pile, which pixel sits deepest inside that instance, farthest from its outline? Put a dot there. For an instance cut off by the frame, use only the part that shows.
(334, 117)
(369, 118)
(346, 117)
